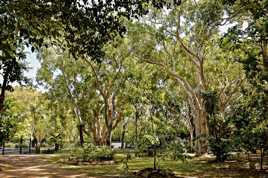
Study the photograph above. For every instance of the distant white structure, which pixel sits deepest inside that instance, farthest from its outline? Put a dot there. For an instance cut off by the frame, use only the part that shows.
(116, 145)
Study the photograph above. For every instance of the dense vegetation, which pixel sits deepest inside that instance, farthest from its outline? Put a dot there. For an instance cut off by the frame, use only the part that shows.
(169, 77)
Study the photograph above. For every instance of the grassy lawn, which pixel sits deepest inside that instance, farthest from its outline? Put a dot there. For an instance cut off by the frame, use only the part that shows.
(191, 168)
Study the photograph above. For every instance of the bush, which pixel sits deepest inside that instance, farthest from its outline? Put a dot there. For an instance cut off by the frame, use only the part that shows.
(176, 150)
(10, 145)
(220, 148)
(92, 153)
(23, 145)
(221, 140)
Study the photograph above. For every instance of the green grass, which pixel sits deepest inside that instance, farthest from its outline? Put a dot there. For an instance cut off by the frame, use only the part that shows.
(194, 167)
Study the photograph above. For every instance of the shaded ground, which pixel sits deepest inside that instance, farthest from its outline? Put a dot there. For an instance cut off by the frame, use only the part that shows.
(32, 166)
(53, 166)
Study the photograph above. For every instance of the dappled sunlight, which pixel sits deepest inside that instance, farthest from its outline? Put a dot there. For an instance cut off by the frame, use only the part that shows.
(33, 166)
(133, 89)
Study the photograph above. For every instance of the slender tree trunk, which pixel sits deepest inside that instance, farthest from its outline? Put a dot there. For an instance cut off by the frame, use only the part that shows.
(3, 147)
(81, 136)
(123, 135)
(262, 155)
(30, 145)
(21, 145)
(191, 141)
(154, 158)
(136, 131)
(73, 97)
(265, 53)
(3, 90)
(1, 103)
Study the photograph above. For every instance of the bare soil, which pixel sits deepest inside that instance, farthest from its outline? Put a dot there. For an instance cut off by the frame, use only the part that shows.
(34, 166)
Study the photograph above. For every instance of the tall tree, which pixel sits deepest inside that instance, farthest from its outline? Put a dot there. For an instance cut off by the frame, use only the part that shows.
(110, 77)
(67, 80)
(183, 43)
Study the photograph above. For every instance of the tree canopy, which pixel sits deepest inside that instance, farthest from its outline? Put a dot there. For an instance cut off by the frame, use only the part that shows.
(177, 76)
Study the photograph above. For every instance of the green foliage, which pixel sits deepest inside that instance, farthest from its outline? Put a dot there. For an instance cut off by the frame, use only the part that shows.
(195, 78)
(249, 119)
(220, 140)
(150, 141)
(90, 152)
(7, 127)
(8, 123)
(220, 147)
(85, 26)
(176, 151)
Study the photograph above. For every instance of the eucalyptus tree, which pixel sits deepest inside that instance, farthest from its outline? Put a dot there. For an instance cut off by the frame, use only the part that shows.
(94, 90)
(110, 78)
(184, 43)
(67, 81)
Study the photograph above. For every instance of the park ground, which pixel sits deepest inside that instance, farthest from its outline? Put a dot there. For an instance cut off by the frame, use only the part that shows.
(53, 166)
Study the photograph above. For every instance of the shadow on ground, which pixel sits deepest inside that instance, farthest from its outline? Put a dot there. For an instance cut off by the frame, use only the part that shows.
(32, 166)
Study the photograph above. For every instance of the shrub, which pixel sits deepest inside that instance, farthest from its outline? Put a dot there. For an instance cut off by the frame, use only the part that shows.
(220, 148)
(91, 152)
(178, 151)
(221, 140)
(23, 145)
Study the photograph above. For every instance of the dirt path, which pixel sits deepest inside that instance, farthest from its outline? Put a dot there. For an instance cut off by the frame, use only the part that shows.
(34, 166)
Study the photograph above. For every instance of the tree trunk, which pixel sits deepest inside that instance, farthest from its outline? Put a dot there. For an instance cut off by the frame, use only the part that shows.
(108, 138)
(136, 127)
(30, 145)
(1, 103)
(3, 147)
(57, 146)
(201, 130)
(123, 135)
(3, 90)
(262, 155)
(154, 158)
(81, 136)
(265, 53)
(37, 148)
(20, 145)
(191, 141)
(203, 133)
